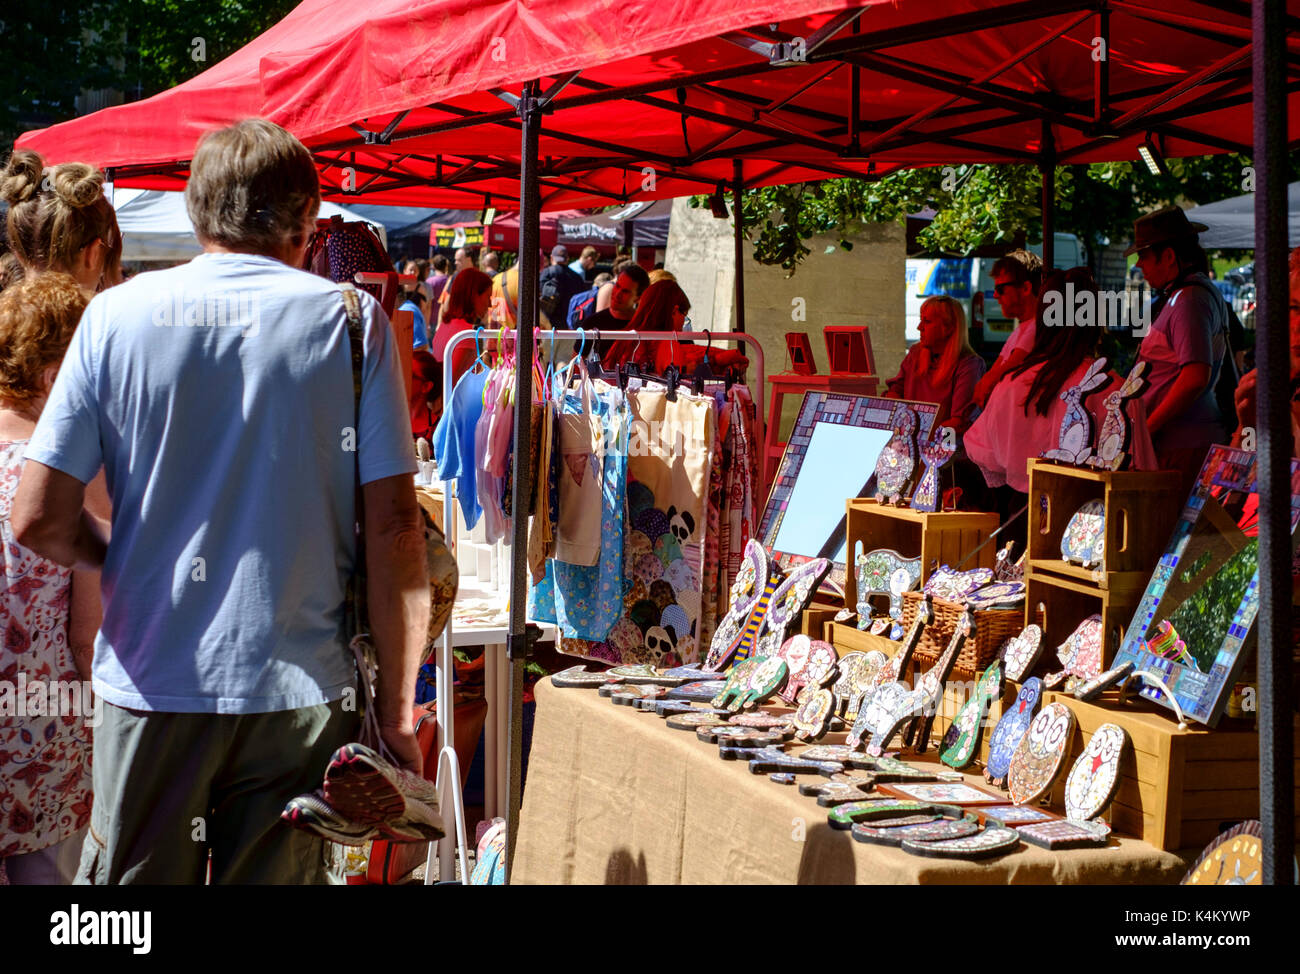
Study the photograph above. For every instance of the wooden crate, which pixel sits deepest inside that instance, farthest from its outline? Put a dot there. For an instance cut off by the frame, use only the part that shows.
(1065, 602)
(1141, 510)
(850, 639)
(815, 617)
(940, 538)
(1178, 788)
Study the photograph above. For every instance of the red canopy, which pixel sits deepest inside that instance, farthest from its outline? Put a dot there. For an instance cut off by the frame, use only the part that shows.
(411, 99)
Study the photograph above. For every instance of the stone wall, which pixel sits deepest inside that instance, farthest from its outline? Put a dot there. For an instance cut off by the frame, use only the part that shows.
(862, 286)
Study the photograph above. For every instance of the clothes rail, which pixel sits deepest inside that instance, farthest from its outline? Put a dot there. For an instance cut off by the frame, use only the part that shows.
(445, 662)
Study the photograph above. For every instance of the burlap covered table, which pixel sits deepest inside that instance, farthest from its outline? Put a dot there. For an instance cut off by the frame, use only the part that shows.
(615, 796)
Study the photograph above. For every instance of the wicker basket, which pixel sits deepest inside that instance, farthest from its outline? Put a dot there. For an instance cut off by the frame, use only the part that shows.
(993, 627)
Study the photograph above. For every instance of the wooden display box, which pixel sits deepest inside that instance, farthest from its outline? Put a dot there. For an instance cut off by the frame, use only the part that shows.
(940, 538)
(1141, 510)
(1178, 788)
(848, 638)
(815, 618)
(955, 694)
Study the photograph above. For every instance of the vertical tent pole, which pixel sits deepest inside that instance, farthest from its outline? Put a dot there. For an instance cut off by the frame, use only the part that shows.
(530, 113)
(738, 217)
(1047, 167)
(1276, 745)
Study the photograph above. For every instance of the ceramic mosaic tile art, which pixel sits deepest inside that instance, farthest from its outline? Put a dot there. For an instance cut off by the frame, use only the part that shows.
(734, 735)
(953, 586)
(1037, 759)
(963, 737)
(867, 413)
(581, 677)
(1113, 438)
(694, 721)
(1074, 439)
(751, 592)
(1235, 858)
(943, 793)
(1020, 653)
(1193, 574)
(646, 673)
(997, 595)
(889, 673)
(832, 793)
(763, 721)
(812, 717)
(701, 692)
(843, 816)
(770, 759)
(935, 452)
(810, 662)
(1014, 815)
(1010, 729)
(994, 841)
(1081, 651)
(897, 460)
(1094, 688)
(1065, 834)
(856, 677)
(751, 683)
(1095, 776)
(947, 828)
(884, 571)
(1084, 540)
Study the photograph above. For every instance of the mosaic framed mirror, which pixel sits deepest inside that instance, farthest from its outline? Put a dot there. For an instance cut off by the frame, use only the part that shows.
(1206, 586)
(804, 515)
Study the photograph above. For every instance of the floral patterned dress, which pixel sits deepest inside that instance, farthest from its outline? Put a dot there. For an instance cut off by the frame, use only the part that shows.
(45, 790)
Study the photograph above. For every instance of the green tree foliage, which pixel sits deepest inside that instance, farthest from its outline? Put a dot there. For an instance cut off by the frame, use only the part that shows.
(50, 52)
(978, 205)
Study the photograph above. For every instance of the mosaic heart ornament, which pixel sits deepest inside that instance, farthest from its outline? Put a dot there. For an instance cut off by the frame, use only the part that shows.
(581, 677)
(1065, 834)
(1235, 858)
(1020, 654)
(1084, 540)
(1010, 729)
(1014, 815)
(1094, 778)
(937, 831)
(1094, 688)
(985, 844)
(856, 676)
(1040, 754)
(1081, 651)
(962, 740)
(809, 662)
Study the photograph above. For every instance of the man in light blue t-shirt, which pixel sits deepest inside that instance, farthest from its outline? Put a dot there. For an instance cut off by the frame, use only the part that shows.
(218, 398)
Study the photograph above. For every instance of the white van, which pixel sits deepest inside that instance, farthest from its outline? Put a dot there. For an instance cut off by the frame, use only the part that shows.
(970, 281)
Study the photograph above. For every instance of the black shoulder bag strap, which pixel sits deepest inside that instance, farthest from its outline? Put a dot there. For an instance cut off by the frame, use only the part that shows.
(357, 618)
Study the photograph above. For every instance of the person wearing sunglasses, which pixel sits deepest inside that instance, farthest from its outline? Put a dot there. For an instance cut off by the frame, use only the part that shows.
(1017, 278)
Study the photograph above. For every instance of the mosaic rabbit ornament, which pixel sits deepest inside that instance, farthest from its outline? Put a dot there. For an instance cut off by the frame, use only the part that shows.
(935, 452)
(897, 460)
(1112, 441)
(1074, 445)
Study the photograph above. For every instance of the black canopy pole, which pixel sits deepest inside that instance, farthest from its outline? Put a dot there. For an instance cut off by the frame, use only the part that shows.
(738, 217)
(1276, 745)
(1047, 167)
(517, 641)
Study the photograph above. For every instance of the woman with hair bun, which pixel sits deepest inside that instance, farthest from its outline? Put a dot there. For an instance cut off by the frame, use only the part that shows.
(60, 220)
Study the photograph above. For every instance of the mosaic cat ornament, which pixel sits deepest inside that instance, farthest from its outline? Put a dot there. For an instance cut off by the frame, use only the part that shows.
(935, 452)
(898, 458)
(1074, 443)
(1113, 439)
(962, 740)
(895, 704)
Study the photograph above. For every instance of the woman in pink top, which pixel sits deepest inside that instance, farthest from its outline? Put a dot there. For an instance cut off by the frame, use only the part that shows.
(941, 367)
(48, 614)
(1024, 412)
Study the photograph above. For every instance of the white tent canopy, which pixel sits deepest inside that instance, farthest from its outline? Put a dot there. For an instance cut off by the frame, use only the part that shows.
(1232, 221)
(155, 226)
